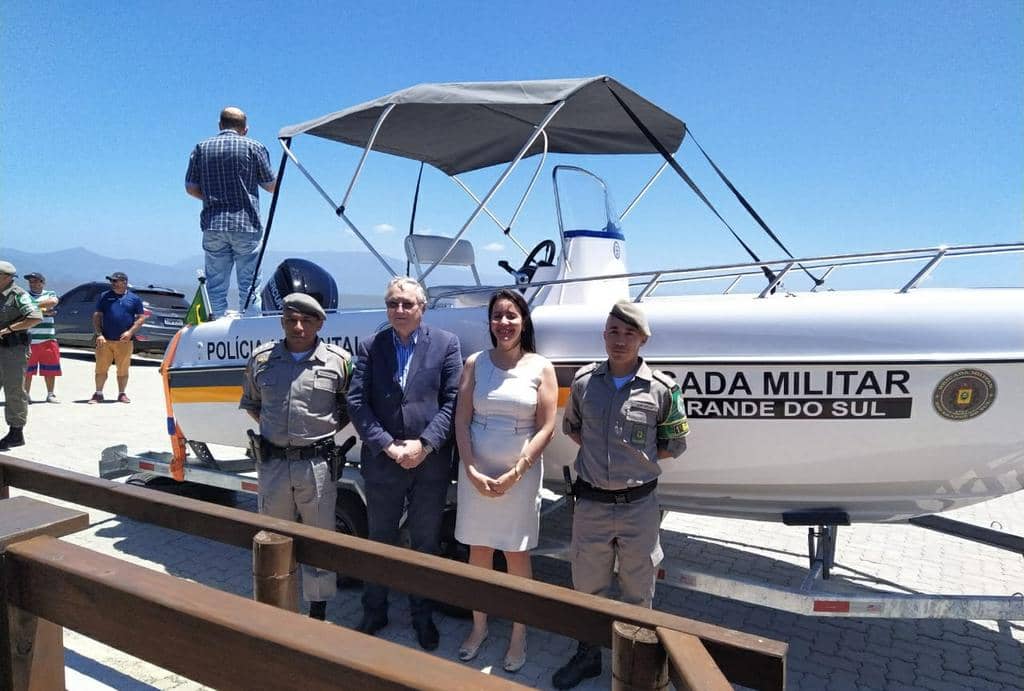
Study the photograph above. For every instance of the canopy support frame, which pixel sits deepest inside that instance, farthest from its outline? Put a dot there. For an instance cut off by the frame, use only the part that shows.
(538, 130)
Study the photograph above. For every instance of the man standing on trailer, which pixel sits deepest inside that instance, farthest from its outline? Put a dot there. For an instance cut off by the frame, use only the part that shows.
(18, 313)
(625, 417)
(402, 403)
(225, 173)
(295, 389)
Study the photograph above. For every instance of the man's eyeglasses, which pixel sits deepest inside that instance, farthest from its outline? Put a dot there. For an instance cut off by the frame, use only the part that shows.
(404, 304)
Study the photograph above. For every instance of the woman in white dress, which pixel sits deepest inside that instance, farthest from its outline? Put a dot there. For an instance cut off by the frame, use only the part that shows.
(504, 417)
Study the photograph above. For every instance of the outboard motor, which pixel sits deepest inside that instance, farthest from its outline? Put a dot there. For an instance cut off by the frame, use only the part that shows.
(299, 276)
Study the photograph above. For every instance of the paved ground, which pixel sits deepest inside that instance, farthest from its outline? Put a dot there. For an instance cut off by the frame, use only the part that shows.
(824, 653)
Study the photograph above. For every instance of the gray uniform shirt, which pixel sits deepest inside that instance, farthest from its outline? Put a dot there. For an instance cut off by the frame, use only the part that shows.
(15, 304)
(619, 428)
(299, 402)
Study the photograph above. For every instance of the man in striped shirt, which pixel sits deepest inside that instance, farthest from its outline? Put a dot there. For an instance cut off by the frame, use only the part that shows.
(225, 173)
(44, 357)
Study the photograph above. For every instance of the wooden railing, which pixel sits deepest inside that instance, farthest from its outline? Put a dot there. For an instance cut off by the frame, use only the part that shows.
(742, 658)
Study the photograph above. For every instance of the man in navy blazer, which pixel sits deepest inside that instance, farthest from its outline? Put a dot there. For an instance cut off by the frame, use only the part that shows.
(401, 401)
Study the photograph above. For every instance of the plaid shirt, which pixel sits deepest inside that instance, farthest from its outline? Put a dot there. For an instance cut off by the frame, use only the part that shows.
(228, 169)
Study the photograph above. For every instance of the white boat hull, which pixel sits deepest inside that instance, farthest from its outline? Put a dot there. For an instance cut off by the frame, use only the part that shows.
(838, 401)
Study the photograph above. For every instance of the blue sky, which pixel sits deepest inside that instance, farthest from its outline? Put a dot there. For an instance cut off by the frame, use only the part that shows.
(850, 126)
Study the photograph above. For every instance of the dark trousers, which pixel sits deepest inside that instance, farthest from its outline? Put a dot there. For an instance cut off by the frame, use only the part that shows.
(390, 491)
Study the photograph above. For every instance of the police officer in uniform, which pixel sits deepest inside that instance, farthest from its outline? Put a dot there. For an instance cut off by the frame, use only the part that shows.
(625, 417)
(18, 313)
(295, 389)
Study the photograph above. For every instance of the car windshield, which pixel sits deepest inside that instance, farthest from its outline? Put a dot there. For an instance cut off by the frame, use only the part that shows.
(164, 301)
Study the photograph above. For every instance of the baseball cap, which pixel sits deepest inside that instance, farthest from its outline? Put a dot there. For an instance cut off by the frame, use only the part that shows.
(35, 274)
(118, 276)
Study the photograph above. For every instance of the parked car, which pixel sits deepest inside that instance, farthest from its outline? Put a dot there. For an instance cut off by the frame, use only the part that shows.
(166, 310)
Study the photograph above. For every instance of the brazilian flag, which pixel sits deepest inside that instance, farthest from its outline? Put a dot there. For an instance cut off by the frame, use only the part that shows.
(198, 311)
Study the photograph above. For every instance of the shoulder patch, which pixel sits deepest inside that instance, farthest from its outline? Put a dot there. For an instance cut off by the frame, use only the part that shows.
(585, 370)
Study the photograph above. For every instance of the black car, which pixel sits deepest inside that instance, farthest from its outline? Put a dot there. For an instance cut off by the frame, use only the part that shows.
(166, 310)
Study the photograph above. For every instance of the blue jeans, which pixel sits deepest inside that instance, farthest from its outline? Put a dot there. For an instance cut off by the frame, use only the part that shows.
(224, 249)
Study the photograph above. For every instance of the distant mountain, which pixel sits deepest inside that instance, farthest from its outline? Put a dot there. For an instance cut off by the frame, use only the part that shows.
(360, 277)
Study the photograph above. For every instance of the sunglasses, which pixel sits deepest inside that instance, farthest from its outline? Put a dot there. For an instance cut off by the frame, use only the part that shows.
(404, 304)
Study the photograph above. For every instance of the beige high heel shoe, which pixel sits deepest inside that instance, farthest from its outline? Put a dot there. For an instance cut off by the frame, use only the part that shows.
(513, 665)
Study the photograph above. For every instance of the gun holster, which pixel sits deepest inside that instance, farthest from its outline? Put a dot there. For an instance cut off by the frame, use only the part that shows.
(255, 446)
(570, 489)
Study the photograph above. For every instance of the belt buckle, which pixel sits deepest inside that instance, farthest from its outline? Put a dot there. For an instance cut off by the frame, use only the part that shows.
(292, 453)
(621, 498)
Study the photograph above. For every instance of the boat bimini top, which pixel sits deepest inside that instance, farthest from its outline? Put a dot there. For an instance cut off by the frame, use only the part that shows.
(462, 127)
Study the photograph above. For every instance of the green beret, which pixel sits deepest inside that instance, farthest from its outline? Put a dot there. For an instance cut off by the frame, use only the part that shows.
(631, 313)
(304, 304)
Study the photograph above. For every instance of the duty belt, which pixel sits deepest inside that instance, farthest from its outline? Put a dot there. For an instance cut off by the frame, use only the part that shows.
(585, 490)
(298, 453)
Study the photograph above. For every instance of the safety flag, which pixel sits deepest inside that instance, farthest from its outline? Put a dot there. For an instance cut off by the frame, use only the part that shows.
(199, 310)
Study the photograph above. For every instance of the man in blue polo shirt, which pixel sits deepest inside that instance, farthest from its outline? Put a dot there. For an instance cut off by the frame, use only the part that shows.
(225, 173)
(119, 314)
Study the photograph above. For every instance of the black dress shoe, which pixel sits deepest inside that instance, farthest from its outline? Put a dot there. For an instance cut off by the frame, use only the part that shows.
(426, 634)
(372, 623)
(586, 663)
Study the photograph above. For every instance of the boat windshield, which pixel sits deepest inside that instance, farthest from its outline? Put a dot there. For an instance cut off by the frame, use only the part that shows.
(585, 208)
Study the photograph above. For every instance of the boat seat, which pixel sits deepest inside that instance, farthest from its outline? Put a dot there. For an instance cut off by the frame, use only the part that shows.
(424, 250)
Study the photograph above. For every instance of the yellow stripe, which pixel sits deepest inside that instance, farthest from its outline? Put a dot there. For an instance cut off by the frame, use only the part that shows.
(206, 394)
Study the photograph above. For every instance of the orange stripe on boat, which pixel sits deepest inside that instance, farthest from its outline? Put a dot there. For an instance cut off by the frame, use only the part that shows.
(206, 394)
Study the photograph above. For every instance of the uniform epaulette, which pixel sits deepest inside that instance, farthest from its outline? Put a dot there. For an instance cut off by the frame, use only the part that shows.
(665, 379)
(264, 347)
(262, 352)
(586, 369)
(338, 350)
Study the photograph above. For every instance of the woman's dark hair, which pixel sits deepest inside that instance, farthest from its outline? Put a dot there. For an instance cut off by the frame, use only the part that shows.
(526, 339)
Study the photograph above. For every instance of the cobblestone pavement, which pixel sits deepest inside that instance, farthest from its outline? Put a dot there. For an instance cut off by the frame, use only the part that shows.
(824, 653)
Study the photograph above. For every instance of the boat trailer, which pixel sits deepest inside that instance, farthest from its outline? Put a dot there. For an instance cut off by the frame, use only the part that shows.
(815, 597)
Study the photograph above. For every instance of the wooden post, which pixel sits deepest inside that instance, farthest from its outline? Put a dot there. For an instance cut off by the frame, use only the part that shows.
(691, 667)
(274, 578)
(638, 658)
(31, 648)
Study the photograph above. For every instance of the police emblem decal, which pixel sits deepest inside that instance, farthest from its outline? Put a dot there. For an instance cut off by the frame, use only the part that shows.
(964, 394)
(616, 250)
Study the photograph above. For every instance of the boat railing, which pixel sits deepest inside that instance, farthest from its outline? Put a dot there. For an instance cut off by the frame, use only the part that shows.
(644, 283)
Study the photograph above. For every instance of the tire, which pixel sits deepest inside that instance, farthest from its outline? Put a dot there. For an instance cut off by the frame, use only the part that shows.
(453, 549)
(215, 495)
(350, 519)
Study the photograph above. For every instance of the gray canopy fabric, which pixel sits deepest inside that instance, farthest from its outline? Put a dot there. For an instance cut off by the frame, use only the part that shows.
(467, 126)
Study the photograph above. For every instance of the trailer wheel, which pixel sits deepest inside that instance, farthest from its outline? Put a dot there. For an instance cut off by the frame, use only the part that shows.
(453, 549)
(350, 519)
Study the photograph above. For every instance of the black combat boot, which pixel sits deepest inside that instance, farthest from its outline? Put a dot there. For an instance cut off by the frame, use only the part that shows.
(318, 609)
(15, 437)
(586, 663)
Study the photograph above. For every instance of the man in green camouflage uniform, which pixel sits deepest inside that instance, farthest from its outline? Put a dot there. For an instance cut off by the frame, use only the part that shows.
(18, 313)
(625, 417)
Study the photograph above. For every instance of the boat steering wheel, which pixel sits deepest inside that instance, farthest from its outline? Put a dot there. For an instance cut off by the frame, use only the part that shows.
(532, 262)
